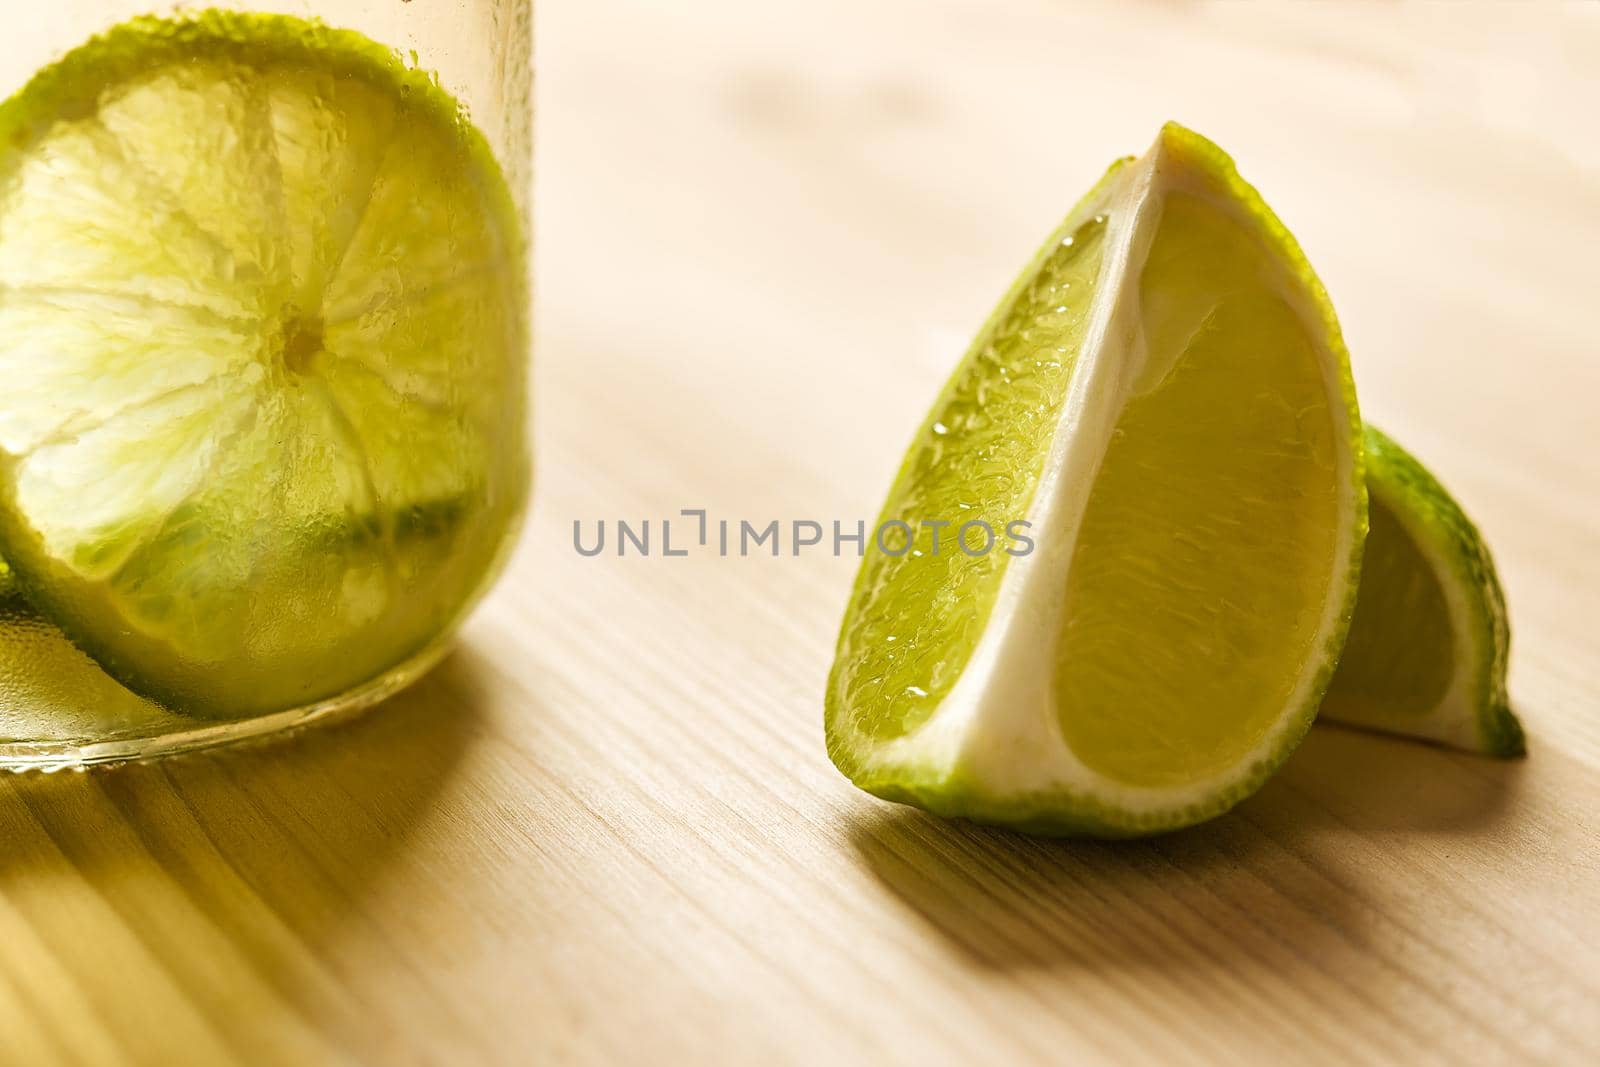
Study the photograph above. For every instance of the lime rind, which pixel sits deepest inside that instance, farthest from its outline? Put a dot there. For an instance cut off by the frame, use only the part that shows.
(71, 89)
(1475, 713)
(936, 768)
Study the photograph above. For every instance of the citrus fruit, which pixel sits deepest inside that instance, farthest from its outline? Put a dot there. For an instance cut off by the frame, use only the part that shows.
(1428, 646)
(1164, 397)
(261, 296)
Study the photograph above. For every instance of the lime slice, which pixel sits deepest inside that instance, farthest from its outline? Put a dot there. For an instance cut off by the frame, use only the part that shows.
(261, 294)
(1428, 646)
(1164, 396)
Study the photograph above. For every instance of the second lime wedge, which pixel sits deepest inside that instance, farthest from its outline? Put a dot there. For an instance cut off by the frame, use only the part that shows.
(1428, 647)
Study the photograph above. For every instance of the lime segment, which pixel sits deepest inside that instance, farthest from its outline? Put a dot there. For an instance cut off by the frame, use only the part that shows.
(917, 614)
(1201, 566)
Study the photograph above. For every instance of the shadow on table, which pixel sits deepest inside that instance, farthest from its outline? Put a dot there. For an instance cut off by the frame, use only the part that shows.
(221, 884)
(1280, 874)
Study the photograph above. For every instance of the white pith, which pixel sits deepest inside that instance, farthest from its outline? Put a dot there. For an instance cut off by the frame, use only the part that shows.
(999, 723)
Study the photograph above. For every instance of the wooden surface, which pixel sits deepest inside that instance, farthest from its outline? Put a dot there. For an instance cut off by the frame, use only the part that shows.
(605, 830)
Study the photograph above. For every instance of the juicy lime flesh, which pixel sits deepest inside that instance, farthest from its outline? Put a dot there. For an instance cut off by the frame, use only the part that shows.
(1198, 581)
(259, 290)
(918, 615)
(1400, 656)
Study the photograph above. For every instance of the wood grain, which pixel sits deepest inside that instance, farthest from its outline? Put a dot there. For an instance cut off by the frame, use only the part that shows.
(605, 830)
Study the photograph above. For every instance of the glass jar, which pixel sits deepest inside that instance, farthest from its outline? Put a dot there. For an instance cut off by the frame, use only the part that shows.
(264, 321)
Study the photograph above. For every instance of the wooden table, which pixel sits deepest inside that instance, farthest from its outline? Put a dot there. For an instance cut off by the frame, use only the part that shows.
(605, 830)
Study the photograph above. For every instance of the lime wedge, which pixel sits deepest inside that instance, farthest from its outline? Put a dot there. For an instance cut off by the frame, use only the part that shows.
(1428, 646)
(1165, 397)
(261, 295)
